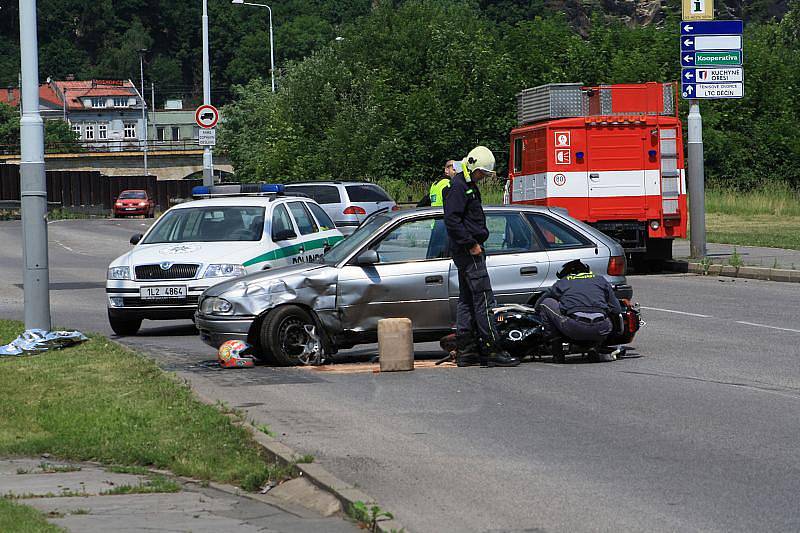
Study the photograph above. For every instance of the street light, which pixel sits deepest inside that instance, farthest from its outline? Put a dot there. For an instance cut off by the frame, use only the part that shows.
(271, 45)
(143, 51)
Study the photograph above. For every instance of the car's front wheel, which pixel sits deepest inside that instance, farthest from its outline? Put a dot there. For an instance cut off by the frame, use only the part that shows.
(124, 326)
(287, 337)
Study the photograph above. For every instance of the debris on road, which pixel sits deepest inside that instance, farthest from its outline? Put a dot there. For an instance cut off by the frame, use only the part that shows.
(33, 341)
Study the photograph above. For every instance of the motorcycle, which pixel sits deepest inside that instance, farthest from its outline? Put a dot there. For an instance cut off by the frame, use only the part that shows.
(522, 334)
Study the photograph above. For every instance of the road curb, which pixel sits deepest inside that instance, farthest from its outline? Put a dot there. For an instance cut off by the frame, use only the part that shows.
(346, 493)
(745, 272)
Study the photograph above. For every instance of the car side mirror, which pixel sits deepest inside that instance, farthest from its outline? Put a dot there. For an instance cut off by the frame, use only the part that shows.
(367, 257)
(284, 235)
(136, 238)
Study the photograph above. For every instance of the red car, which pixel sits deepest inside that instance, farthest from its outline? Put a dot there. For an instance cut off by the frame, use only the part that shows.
(133, 202)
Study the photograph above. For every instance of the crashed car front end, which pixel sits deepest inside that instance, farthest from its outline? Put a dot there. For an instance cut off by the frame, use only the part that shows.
(229, 310)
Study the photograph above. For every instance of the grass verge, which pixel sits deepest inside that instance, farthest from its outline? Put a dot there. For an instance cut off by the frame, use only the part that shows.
(15, 518)
(754, 230)
(100, 401)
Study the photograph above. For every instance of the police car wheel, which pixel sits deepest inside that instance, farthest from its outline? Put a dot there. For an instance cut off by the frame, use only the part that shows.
(283, 336)
(125, 326)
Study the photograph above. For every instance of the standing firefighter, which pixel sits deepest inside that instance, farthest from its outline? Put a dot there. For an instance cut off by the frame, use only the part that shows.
(476, 336)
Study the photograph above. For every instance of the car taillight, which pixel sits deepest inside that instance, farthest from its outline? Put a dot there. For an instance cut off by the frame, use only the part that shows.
(355, 210)
(395, 207)
(616, 265)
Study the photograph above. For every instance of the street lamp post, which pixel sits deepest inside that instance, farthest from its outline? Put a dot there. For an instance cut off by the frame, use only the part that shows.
(144, 111)
(271, 43)
(208, 161)
(33, 185)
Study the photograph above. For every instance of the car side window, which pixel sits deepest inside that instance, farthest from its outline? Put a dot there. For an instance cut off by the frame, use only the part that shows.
(280, 221)
(556, 235)
(416, 240)
(324, 221)
(305, 223)
(508, 233)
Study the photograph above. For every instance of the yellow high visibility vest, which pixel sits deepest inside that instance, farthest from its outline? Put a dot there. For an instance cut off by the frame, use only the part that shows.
(437, 192)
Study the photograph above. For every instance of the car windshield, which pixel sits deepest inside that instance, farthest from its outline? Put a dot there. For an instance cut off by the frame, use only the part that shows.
(136, 195)
(359, 237)
(208, 224)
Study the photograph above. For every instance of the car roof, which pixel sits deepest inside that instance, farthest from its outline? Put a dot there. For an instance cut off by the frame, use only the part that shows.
(331, 183)
(243, 201)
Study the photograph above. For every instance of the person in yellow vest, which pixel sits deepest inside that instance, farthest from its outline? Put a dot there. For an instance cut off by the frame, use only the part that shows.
(435, 197)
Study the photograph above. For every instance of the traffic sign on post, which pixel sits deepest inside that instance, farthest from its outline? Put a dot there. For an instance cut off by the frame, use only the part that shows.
(698, 9)
(207, 137)
(206, 116)
(716, 44)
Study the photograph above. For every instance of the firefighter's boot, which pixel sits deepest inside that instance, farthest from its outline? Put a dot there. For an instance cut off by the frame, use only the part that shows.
(467, 352)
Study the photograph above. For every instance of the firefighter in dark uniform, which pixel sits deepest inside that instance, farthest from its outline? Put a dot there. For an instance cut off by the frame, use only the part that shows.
(476, 336)
(579, 306)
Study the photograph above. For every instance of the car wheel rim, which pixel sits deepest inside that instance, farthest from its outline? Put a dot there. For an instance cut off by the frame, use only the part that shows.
(299, 341)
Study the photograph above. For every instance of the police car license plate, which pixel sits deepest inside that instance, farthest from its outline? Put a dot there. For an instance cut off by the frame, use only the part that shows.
(163, 292)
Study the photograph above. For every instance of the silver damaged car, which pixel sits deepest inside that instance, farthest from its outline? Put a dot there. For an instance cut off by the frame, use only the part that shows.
(396, 265)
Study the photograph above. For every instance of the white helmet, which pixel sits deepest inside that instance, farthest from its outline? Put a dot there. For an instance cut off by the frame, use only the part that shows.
(480, 158)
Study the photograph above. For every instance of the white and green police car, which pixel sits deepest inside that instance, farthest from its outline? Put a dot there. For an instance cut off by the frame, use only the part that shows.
(197, 244)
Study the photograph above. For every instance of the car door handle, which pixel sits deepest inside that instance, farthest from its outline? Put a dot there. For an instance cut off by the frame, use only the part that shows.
(594, 177)
(434, 279)
(528, 271)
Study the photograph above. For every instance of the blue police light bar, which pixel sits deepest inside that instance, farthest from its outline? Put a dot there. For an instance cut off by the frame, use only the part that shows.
(201, 190)
(272, 187)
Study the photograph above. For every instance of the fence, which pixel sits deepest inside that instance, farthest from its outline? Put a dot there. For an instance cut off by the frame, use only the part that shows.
(91, 189)
(110, 145)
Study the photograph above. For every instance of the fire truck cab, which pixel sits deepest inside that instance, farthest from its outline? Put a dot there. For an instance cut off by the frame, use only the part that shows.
(611, 155)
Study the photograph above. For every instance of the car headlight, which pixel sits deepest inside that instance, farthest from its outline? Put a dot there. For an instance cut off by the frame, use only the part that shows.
(142, 204)
(224, 271)
(215, 306)
(119, 273)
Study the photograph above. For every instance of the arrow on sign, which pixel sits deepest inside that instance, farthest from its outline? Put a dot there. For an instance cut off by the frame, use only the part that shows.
(688, 75)
(688, 28)
(689, 89)
(688, 58)
(688, 42)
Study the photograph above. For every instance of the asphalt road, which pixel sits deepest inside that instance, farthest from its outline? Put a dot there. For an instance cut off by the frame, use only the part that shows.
(697, 430)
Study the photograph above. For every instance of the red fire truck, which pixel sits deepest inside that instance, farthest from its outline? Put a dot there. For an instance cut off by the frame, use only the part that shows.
(611, 155)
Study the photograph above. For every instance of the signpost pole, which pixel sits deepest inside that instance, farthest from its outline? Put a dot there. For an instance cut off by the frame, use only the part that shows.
(208, 163)
(697, 193)
(33, 185)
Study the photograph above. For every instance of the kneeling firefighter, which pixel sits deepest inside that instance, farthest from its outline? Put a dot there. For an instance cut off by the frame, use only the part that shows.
(476, 337)
(579, 306)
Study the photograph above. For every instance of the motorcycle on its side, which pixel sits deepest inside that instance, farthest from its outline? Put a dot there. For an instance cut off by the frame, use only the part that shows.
(522, 334)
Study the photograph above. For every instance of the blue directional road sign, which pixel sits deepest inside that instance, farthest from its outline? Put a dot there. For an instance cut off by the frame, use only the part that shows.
(711, 27)
(711, 57)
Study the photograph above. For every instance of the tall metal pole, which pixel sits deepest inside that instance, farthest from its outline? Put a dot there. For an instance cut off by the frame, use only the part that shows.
(208, 162)
(33, 186)
(144, 107)
(271, 50)
(697, 191)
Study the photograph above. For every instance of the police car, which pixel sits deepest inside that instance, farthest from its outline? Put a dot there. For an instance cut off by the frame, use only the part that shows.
(200, 243)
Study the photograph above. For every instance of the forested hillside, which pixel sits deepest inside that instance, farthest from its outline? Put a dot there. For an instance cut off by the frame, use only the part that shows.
(388, 90)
